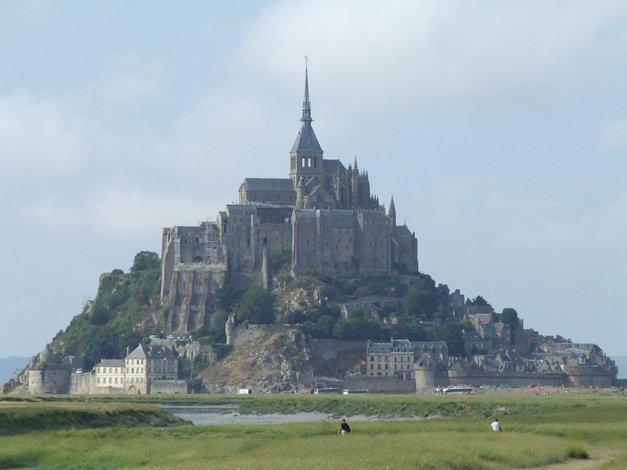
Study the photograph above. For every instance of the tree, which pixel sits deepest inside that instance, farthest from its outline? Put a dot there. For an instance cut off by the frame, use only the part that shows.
(228, 297)
(419, 301)
(477, 302)
(509, 316)
(257, 306)
(451, 334)
(145, 260)
(324, 327)
(358, 328)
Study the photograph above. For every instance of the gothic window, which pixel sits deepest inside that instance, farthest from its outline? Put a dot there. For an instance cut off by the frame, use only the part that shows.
(197, 259)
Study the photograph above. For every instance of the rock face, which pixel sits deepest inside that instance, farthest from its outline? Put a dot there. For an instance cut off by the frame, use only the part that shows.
(270, 363)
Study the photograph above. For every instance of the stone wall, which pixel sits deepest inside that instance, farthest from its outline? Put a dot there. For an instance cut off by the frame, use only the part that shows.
(512, 379)
(375, 384)
(49, 379)
(169, 386)
(192, 294)
(246, 332)
(330, 349)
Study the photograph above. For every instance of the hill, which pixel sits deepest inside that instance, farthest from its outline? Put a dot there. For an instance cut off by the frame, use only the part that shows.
(8, 365)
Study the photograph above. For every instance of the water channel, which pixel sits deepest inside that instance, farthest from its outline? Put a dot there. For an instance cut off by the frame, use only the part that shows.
(229, 414)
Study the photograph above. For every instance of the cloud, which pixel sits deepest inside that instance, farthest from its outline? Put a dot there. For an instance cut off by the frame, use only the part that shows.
(127, 79)
(404, 53)
(613, 136)
(551, 222)
(115, 213)
(39, 138)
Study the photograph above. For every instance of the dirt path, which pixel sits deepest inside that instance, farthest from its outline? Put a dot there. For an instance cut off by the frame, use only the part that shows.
(597, 458)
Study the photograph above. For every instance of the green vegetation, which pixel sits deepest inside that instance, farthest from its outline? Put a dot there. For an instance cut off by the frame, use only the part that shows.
(256, 306)
(538, 430)
(23, 417)
(119, 317)
(146, 260)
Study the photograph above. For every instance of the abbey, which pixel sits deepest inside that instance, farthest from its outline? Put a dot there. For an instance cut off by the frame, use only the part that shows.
(321, 218)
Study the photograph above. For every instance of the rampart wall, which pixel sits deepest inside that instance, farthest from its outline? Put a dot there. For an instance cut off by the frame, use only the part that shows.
(376, 384)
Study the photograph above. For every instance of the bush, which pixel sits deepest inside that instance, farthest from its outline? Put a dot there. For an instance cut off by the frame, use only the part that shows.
(257, 306)
(576, 451)
(279, 261)
(200, 363)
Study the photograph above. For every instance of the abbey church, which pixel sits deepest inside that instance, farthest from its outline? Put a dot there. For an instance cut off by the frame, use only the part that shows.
(322, 218)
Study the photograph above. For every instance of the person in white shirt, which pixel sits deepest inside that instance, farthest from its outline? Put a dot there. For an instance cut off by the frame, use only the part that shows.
(496, 426)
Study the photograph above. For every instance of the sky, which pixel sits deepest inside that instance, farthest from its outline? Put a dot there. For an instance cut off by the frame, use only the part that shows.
(500, 127)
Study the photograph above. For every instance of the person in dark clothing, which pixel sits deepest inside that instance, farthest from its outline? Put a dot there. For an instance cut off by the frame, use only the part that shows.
(344, 427)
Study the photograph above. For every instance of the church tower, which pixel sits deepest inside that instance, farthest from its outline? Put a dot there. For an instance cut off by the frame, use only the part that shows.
(306, 153)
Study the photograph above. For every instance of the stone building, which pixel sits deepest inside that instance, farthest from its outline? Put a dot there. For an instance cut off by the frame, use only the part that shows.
(110, 373)
(47, 375)
(146, 364)
(323, 215)
(395, 358)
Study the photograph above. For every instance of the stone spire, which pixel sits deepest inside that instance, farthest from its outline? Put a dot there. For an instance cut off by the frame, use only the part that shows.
(306, 103)
(306, 153)
(392, 211)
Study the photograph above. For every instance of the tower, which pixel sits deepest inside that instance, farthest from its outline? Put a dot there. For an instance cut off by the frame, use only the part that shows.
(229, 330)
(392, 212)
(306, 153)
(300, 194)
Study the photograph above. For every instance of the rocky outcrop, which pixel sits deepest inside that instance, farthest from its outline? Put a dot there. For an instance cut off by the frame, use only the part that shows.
(270, 363)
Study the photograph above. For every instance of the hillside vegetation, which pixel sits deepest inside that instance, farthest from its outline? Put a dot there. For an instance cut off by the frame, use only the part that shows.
(125, 311)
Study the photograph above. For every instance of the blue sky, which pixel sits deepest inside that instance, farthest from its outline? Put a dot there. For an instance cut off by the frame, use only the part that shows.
(500, 128)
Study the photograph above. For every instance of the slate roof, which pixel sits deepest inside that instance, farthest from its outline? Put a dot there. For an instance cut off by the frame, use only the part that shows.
(331, 166)
(429, 346)
(150, 352)
(268, 184)
(306, 140)
(241, 209)
(111, 363)
(394, 346)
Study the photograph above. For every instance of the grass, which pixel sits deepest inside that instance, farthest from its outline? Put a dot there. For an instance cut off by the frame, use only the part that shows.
(18, 418)
(537, 431)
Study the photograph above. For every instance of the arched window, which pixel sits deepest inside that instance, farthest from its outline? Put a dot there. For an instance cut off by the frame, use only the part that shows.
(197, 259)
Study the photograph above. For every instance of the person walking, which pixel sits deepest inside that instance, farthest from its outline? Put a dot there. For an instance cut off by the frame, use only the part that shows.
(496, 426)
(344, 427)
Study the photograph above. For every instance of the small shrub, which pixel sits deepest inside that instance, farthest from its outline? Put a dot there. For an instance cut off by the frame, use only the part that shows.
(576, 451)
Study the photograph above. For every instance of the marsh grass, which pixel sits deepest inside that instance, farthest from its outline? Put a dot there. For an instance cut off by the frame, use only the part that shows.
(24, 417)
(537, 431)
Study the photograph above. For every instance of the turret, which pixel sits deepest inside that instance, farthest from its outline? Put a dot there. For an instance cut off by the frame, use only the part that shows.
(300, 194)
(392, 212)
(229, 330)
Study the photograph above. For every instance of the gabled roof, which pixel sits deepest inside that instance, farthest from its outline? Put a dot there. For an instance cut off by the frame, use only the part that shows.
(268, 184)
(332, 165)
(138, 353)
(306, 140)
(150, 352)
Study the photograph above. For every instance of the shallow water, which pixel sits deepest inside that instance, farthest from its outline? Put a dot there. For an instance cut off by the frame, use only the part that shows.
(228, 414)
